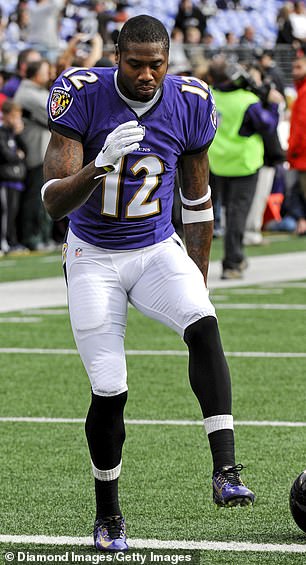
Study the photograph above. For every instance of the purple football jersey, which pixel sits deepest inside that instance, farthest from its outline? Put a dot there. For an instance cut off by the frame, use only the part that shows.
(131, 208)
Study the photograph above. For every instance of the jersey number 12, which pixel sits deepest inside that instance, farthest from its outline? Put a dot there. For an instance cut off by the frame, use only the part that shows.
(139, 205)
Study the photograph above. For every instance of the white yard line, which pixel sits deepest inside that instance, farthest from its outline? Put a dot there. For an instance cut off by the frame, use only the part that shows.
(38, 351)
(154, 352)
(46, 311)
(145, 422)
(51, 259)
(19, 320)
(159, 544)
(267, 354)
(8, 263)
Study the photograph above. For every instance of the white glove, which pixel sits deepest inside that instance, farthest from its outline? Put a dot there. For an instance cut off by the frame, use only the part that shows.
(123, 140)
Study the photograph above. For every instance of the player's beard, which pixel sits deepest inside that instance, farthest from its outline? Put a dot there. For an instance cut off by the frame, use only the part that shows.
(140, 92)
(145, 93)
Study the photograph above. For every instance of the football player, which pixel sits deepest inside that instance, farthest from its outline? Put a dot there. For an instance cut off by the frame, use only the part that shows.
(118, 136)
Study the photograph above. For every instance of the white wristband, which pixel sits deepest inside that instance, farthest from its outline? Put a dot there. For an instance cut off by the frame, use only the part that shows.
(195, 216)
(201, 200)
(45, 186)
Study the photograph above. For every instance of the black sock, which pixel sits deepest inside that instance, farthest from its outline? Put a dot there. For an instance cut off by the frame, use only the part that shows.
(107, 498)
(222, 448)
(105, 435)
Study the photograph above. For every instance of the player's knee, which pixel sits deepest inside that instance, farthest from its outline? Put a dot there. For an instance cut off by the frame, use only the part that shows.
(203, 336)
(108, 390)
(108, 375)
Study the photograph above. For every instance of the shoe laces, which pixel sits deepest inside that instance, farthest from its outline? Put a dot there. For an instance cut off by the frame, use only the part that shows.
(231, 475)
(114, 526)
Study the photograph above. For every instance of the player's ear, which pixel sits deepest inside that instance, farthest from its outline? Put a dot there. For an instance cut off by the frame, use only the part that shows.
(117, 54)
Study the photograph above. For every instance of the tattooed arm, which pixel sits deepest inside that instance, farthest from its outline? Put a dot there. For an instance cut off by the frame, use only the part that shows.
(64, 161)
(194, 171)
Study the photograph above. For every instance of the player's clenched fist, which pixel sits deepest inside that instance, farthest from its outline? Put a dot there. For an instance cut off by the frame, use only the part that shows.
(123, 140)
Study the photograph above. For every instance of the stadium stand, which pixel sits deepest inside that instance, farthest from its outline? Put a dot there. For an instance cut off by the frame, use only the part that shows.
(81, 14)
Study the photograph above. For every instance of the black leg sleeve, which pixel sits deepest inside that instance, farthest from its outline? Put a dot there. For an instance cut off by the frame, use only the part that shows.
(105, 431)
(210, 381)
(208, 370)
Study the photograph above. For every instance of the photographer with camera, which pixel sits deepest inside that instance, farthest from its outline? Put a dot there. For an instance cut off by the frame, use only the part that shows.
(246, 110)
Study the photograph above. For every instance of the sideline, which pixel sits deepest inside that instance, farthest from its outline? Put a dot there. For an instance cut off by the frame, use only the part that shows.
(42, 293)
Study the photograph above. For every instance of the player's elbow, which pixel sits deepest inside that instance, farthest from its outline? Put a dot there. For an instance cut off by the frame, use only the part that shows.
(55, 212)
(51, 201)
(54, 215)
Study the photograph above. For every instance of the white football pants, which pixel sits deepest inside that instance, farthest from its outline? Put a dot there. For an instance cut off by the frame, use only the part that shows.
(160, 280)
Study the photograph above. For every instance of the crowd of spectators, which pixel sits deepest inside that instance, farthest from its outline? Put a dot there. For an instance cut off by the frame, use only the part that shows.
(49, 25)
(40, 38)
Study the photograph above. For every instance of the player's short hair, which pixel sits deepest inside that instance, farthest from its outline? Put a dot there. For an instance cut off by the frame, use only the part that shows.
(143, 29)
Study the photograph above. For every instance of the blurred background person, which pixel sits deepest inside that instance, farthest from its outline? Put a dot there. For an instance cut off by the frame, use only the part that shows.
(25, 57)
(231, 40)
(248, 38)
(296, 154)
(190, 16)
(298, 22)
(292, 217)
(272, 170)
(269, 69)
(104, 17)
(32, 95)
(17, 26)
(43, 26)
(12, 174)
(284, 25)
(208, 40)
(119, 17)
(2, 95)
(192, 35)
(178, 60)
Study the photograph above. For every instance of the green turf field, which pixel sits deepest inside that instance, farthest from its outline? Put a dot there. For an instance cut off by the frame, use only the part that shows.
(46, 482)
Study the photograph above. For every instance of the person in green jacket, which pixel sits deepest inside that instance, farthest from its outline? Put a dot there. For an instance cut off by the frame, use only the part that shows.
(237, 152)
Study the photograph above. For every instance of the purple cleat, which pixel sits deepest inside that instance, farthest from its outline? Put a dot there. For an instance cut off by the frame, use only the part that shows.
(228, 488)
(110, 534)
